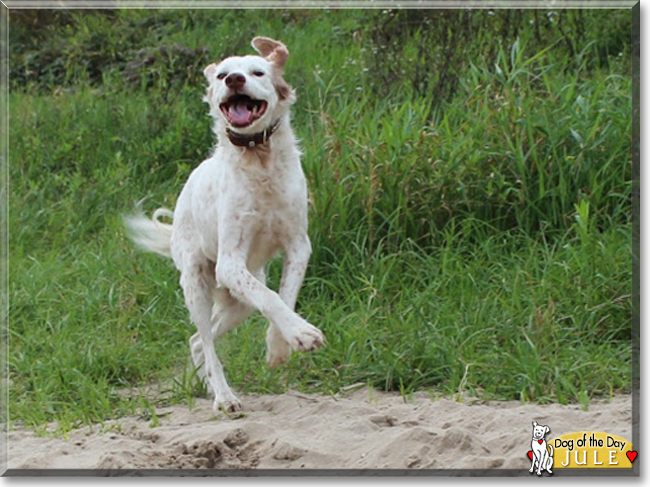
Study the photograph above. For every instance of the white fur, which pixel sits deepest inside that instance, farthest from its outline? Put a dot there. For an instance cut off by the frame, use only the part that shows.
(542, 458)
(238, 209)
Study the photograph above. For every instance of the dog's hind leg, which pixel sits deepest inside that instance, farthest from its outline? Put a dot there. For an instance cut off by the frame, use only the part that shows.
(549, 460)
(197, 281)
(227, 313)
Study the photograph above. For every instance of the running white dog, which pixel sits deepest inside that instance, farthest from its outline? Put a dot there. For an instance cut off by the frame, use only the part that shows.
(238, 209)
(542, 458)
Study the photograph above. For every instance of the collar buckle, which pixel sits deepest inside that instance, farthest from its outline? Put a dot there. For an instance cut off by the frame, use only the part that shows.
(250, 141)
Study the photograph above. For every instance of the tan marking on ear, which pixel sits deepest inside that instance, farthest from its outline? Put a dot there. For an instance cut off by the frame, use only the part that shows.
(273, 51)
(265, 45)
(276, 53)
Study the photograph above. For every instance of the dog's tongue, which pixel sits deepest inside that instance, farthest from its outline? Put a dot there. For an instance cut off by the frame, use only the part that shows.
(239, 113)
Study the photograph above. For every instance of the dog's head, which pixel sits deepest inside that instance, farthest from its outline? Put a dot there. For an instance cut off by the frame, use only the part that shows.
(539, 431)
(248, 93)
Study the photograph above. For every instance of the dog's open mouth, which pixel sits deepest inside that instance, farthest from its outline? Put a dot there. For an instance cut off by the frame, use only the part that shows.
(242, 110)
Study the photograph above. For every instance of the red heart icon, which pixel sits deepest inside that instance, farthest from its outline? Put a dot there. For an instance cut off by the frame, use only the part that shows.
(631, 455)
(530, 455)
(540, 441)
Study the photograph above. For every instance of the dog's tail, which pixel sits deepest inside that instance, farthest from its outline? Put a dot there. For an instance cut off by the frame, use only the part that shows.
(150, 233)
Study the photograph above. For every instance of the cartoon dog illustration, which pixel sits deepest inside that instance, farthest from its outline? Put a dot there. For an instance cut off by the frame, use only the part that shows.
(542, 458)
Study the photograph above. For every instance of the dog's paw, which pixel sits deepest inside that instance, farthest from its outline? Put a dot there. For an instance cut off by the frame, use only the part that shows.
(228, 403)
(306, 338)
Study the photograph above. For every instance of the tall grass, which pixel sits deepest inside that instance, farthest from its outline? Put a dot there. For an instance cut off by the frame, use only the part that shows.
(518, 146)
(478, 243)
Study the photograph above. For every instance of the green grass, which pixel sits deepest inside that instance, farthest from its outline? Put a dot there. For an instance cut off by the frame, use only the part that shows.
(478, 243)
(528, 319)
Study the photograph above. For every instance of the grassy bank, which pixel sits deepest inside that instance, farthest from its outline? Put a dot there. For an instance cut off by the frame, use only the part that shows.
(471, 232)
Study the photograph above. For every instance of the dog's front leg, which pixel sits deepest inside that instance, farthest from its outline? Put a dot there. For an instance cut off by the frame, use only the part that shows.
(233, 274)
(535, 460)
(296, 257)
(197, 281)
(542, 460)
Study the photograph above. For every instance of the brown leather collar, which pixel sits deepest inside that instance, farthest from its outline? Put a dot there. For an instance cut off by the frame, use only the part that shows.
(252, 140)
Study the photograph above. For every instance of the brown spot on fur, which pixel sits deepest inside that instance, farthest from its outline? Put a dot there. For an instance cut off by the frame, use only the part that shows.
(258, 154)
(285, 92)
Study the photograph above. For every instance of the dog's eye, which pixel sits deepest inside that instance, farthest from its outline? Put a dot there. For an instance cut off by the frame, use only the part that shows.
(221, 75)
(258, 73)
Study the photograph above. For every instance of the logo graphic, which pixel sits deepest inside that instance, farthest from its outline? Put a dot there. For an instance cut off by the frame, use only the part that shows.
(540, 455)
(583, 449)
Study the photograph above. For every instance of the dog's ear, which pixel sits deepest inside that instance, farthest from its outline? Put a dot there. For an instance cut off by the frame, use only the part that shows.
(209, 75)
(273, 51)
(209, 71)
(535, 424)
(277, 54)
(548, 429)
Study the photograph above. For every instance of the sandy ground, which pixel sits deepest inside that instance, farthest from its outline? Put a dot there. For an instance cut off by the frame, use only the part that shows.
(360, 430)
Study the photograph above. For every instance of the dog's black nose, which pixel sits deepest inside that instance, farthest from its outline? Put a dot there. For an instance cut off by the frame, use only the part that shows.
(235, 81)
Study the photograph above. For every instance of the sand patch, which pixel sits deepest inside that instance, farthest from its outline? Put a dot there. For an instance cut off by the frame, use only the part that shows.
(361, 430)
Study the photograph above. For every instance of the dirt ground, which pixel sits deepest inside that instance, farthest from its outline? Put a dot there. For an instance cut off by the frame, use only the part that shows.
(363, 429)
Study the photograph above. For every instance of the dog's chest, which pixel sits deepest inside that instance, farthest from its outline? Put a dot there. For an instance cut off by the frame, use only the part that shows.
(258, 207)
(270, 189)
(270, 206)
(268, 214)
